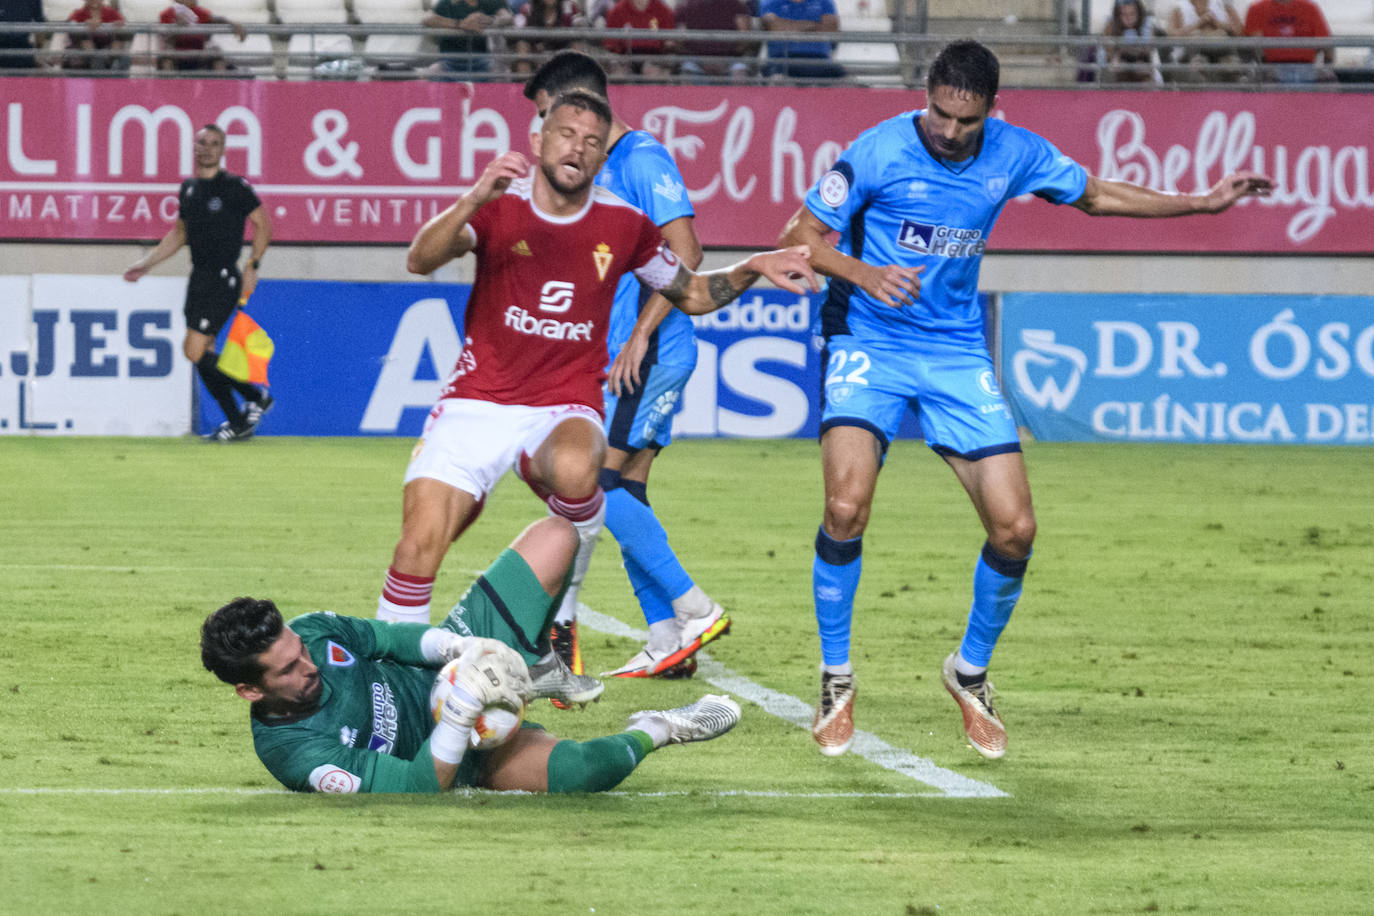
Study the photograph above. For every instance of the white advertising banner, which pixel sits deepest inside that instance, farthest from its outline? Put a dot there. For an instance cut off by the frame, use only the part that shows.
(93, 356)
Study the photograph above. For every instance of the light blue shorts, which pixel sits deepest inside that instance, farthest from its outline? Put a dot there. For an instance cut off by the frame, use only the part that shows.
(952, 389)
(644, 419)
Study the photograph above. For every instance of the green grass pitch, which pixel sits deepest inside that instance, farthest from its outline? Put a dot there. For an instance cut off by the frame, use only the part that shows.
(1186, 684)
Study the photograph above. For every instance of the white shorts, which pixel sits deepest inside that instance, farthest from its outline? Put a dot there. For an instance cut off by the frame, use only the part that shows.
(469, 444)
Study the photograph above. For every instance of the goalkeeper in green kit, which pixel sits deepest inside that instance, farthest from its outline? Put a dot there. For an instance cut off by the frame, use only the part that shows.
(341, 704)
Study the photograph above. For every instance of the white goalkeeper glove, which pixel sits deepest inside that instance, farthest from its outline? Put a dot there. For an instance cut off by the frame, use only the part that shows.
(489, 673)
(507, 678)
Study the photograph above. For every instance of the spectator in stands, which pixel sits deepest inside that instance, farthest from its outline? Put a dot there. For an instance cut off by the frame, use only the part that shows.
(640, 14)
(1206, 19)
(714, 58)
(16, 48)
(99, 46)
(464, 47)
(1291, 19)
(192, 50)
(800, 59)
(546, 14)
(1130, 61)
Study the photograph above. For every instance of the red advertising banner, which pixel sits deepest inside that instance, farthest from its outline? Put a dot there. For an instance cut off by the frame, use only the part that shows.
(370, 162)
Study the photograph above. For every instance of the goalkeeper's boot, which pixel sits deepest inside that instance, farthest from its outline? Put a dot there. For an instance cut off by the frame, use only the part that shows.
(553, 680)
(981, 722)
(707, 718)
(833, 726)
(693, 633)
(254, 411)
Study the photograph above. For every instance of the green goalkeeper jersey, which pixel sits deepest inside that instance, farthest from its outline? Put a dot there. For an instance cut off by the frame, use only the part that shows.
(370, 731)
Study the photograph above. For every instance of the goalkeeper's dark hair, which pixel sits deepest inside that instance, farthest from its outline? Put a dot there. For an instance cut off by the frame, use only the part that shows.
(232, 638)
(966, 66)
(567, 70)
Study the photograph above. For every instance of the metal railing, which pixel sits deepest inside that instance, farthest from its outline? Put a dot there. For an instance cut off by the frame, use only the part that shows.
(869, 58)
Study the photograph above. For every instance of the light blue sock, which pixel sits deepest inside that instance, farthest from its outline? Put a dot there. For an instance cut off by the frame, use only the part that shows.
(652, 600)
(643, 541)
(834, 580)
(996, 586)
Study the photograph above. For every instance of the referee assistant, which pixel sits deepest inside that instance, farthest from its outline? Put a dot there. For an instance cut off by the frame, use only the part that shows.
(212, 208)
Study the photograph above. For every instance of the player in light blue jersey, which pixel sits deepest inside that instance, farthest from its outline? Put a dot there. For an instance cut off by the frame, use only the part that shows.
(654, 349)
(914, 200)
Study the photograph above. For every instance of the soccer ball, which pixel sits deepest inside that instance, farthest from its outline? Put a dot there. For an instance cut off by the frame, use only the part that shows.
(493, 727)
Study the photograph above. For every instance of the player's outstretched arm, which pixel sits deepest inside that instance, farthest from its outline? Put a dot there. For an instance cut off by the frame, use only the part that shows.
(1122, 198)
(623, 376)
(445, 237)
(890, 284)
(167, 246)
(697, 294)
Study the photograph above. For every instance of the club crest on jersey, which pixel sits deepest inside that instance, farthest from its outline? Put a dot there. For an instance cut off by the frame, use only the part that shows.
(603, 257)
(995, 186)
(338, 656)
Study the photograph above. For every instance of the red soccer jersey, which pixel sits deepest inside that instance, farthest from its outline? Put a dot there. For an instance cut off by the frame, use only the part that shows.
(1298, 19)
(624, 15)
(541, 301)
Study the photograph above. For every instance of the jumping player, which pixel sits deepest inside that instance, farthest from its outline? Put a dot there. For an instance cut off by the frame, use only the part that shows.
(526, 392)
(653, 349)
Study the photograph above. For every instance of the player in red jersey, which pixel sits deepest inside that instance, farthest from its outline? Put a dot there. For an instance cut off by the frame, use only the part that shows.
(526, 392)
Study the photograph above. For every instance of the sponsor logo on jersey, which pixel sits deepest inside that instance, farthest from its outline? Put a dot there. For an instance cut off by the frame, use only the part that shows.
(523, 322)
(522, 248)
(338, 656)
(215, 205)
(556, 296)
(383, 719)
(940, 241)
(347, 736)
(603, 257)
(330, 778)
(834, 188)
(669, 187)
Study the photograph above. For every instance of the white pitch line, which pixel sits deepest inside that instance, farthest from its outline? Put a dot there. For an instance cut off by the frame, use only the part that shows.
(465, 791)
(790, 709)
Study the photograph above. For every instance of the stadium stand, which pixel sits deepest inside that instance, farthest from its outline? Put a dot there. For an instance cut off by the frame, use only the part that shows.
(390, 52)
(255, 53)
(308, 50)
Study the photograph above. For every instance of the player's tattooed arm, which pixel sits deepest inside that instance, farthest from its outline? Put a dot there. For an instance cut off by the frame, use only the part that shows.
(697, 294)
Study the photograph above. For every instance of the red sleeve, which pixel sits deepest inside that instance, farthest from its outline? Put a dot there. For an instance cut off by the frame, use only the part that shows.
(647, 245)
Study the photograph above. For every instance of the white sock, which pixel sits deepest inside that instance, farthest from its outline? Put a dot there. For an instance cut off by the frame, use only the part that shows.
(402, 613)
(663, 635)
(966, 668)
(654, 727)
(692, 603)
(587, 532)
(846, 668)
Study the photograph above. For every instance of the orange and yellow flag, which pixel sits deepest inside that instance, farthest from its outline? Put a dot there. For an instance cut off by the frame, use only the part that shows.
(247, 351)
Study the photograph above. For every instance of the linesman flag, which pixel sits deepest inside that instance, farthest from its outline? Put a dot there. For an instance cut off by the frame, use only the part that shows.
(247, 350)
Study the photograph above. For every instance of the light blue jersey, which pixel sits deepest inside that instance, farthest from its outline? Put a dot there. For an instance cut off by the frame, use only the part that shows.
(640, 171)
(895, 202)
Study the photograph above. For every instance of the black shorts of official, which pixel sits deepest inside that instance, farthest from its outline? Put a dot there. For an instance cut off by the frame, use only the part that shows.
(211, 297)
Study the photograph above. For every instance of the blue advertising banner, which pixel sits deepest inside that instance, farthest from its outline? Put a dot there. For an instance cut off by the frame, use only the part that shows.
(353, 359)
(369, 358)
(1190, 368)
